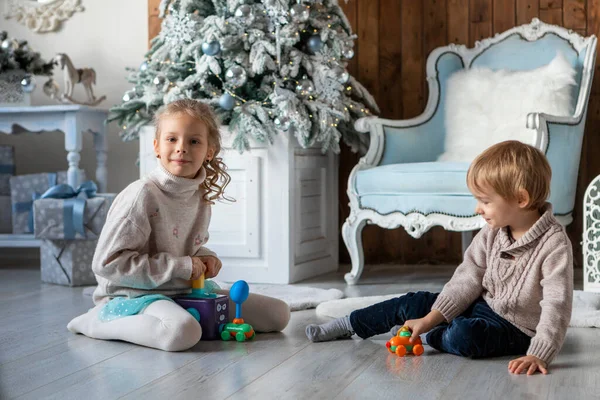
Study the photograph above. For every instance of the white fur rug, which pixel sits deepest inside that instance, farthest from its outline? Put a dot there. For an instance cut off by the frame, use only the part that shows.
(297, 297)
(586, 307)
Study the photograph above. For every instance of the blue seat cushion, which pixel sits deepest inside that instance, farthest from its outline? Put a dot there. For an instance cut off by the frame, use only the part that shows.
(417, 179)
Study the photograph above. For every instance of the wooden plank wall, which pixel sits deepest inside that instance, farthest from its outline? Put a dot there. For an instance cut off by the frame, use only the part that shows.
(394, 39)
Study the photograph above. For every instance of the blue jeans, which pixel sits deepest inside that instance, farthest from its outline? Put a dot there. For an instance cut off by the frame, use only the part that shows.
(477, 332)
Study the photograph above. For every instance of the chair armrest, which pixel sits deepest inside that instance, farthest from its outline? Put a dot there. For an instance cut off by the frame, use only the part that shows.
(418, 139)
(540, 123)
(560, 138)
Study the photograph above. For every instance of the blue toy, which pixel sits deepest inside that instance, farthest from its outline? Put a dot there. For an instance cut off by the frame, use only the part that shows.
(238, 329)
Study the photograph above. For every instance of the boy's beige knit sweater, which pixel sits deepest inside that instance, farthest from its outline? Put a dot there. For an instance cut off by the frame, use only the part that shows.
(528, 282)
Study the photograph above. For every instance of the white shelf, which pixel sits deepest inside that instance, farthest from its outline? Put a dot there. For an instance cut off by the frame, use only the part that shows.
(22, 240)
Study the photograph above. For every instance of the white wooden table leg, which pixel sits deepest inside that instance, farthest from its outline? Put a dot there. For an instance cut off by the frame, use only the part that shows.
(101, 146)
(73, 144)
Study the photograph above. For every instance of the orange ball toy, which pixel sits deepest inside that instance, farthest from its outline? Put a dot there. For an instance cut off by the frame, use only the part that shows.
(401, 345)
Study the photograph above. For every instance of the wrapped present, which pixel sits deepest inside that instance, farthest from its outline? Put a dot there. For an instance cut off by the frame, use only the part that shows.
(5, 215)
(68, 262)
(7, 168)
(64, 213)
(23, 190)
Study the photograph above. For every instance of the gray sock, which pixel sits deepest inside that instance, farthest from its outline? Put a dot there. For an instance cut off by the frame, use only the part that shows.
(337, 329)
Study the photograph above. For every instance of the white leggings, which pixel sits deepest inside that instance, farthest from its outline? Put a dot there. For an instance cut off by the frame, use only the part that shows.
(167, 326)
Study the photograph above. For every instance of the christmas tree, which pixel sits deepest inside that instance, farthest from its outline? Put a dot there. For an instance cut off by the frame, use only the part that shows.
(266, 66)
(15, 55)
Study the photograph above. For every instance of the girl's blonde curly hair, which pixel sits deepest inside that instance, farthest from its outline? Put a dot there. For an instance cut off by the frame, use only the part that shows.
(217, 177)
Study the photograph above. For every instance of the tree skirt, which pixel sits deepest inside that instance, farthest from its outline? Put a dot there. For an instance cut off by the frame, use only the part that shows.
(586, 307)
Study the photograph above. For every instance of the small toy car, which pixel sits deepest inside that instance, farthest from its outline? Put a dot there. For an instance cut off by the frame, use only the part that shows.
(238, 330)
(401, 345)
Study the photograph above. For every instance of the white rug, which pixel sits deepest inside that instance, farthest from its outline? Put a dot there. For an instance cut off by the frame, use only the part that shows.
(586, 307)
(297, 297)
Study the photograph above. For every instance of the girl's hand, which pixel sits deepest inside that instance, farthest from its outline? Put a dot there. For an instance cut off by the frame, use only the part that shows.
(213, 266)
(198, 268)
(527, 363)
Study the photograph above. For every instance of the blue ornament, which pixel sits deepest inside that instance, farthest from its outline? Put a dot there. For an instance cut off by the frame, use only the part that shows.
(314, 43)
(28, 84)
(211, 48)
(144, 66)
(227, 101)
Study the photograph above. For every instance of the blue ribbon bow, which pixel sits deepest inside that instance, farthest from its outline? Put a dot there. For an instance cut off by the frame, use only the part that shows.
(73, 205)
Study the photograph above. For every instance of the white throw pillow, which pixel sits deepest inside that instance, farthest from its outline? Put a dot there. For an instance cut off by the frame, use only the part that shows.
(485, 107)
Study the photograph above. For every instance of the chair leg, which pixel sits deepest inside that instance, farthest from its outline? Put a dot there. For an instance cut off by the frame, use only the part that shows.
(352, 235)
(467, 238)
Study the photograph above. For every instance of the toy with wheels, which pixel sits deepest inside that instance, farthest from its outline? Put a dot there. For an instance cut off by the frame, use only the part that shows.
(209, 309)
(401, 345)
(238, 329)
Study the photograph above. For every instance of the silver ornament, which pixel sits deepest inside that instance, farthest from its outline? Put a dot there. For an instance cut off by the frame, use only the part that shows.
(300, 13)
(159, 81)
(341, 75)
(236, 76)
(8, 44)
(211, 48)
(144, 66)
(314, 43)
(282, 123)
(305, 88)
(244, 11)
(348, 53)
(28, 84)
(227, 101)
(129, 95)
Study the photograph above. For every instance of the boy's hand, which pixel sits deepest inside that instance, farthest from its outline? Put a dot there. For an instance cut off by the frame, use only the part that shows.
(422, 325)
(213, 266)
(198, 268)
(527, 363)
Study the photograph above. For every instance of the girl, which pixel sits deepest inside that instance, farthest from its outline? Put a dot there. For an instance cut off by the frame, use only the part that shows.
(153, 241)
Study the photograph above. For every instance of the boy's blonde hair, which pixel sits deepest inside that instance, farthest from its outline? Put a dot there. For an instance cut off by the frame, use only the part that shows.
(510, 166)
(217, 177)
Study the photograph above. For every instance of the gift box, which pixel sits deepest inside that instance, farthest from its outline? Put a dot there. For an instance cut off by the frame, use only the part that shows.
(5, 215)
(68, 262)
(71, 219)
(7, 168)
(22, 191)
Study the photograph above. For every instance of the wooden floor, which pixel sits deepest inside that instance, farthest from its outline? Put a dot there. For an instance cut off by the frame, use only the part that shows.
(39, 358)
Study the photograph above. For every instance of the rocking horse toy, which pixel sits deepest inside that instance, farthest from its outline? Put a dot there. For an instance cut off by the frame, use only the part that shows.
(72, 75)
